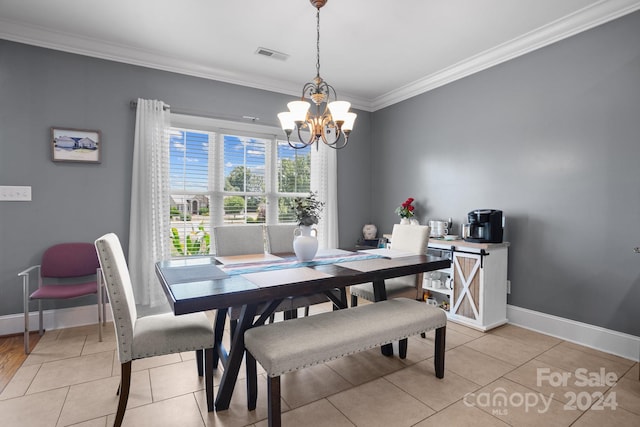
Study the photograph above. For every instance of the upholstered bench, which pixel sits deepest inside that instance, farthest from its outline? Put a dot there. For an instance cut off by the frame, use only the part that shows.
(298, 343)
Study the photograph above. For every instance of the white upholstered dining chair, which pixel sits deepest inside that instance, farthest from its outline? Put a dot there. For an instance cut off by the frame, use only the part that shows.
(231, 240)
(280, 238)
(154, 335)
(412, 239)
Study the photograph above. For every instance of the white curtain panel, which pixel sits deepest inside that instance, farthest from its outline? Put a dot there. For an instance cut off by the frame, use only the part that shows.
(324, 181)
(149, 224)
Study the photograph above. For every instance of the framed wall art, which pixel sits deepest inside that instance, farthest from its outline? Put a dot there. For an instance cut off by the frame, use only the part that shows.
(75, 145)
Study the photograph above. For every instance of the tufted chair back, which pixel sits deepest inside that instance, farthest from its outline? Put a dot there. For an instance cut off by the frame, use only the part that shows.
(410, 238)
(280, 238)
(238, 239)
(118, 283)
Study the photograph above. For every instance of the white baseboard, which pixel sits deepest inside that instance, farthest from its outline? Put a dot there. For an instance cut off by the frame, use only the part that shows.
(607, 340)
(53, 319)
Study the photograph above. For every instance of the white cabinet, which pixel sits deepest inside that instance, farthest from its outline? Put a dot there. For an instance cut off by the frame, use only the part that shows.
(477, 295)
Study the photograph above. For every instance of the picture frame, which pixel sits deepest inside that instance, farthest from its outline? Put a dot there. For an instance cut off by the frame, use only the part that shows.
(76, 145)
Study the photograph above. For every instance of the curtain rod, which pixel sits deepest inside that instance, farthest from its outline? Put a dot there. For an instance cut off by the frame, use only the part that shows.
(208, 115)
(134, 104)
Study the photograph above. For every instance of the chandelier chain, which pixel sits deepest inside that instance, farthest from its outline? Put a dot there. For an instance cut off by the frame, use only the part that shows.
(318, 42)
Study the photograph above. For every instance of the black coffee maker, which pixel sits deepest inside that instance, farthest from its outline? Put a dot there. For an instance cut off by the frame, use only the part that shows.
(485, 226)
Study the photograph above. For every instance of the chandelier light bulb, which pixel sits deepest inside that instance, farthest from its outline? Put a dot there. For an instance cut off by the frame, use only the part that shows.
(287, 122)
(299, 110)
(347, 126)
(339, 110)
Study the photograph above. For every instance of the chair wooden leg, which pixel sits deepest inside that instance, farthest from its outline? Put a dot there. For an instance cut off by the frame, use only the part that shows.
(252, 381)
(208, 377)
(438, 359)
(199, 355)
(125, 383)
(354, 301)
(273, 391)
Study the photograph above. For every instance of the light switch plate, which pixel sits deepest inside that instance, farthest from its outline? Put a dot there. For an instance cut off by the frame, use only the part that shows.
(15, 193)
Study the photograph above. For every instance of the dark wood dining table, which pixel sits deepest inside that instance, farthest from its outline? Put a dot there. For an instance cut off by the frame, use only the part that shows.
(195, 284)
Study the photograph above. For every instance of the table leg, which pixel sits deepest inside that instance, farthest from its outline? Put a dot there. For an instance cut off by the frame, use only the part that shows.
(380, 294)
(230, 375)
(338, 303)
(218, 349)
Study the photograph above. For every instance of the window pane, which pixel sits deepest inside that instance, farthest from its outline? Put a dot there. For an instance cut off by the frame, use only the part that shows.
(190, 225)
(189, 160)
(294, 169)
(286, 212)
(244, 164)
(244, 209)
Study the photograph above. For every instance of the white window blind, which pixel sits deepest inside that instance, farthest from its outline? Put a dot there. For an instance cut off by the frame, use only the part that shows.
(222, 176)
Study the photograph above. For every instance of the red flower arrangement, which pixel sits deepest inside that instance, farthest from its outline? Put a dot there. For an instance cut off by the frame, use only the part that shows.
(405, 210)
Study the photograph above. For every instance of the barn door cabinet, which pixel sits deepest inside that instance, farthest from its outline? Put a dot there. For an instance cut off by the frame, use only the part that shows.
(478, 292)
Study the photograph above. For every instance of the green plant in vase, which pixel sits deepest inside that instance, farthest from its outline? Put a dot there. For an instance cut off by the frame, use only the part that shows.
(308, 209)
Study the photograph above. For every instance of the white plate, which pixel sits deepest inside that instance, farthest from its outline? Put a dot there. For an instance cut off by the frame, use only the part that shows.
(450, 237)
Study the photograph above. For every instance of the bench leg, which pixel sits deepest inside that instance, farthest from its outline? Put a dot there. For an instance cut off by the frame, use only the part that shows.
(402, 348)
(439, 351)
(273, 391)
(252, 381)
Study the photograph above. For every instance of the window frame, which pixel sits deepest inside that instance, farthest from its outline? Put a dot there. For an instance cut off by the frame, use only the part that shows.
(216, 191)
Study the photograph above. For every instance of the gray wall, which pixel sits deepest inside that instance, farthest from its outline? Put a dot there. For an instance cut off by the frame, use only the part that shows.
(40, 88)
(551, 138)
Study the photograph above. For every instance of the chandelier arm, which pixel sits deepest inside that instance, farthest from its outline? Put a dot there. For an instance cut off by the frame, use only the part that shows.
(312, 135)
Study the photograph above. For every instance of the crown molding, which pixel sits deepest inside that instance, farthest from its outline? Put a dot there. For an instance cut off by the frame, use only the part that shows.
(577, 22)
(582, 20)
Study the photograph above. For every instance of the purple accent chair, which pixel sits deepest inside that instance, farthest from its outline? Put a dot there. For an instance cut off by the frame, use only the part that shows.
(59, 277)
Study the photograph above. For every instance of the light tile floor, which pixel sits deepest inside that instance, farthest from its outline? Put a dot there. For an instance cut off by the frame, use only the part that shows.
(508, 376)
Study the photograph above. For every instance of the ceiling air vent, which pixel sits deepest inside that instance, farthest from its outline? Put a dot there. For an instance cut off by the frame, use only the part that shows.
(271, 53)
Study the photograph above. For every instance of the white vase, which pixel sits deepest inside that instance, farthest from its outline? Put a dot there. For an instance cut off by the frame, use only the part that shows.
(369, 231)
(404, 221)
(305, 245)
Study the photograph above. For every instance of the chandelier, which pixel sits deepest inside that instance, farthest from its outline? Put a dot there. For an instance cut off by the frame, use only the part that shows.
(330, 120)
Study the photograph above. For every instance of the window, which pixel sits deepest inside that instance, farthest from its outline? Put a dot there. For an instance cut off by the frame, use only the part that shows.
(220, 175)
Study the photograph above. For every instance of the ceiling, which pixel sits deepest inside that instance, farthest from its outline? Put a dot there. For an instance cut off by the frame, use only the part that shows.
(374, 52)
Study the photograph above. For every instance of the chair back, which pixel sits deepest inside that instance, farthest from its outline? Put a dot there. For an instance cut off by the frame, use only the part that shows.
(280, 238)
(118, 283)
(69, 260)
(410, 238)
(238, 240)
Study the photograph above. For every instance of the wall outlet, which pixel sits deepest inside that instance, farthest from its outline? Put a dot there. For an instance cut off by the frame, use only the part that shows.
(14, 193)
(508, 287)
